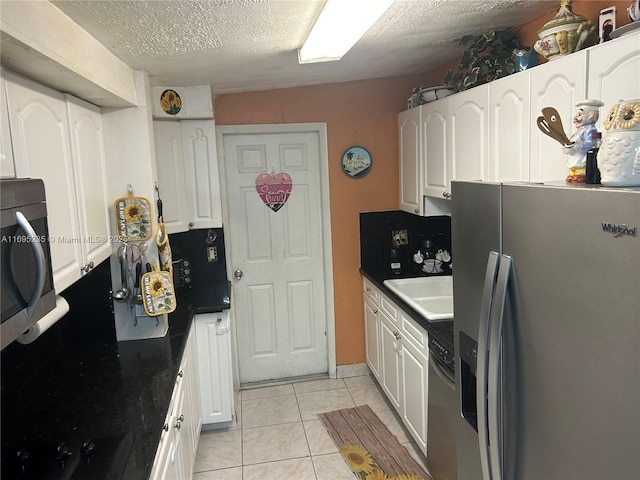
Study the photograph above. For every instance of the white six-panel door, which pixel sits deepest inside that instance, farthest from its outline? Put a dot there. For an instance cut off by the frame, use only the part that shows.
(279, 301)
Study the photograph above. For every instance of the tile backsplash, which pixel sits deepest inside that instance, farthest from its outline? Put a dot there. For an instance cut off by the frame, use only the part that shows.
(388, 234)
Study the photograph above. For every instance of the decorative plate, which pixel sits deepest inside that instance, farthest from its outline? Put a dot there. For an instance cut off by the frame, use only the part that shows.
(356, 162)
(170, 102)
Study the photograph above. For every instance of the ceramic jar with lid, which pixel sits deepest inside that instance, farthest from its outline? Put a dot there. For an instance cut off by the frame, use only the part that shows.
(565, 33)
(619, 154)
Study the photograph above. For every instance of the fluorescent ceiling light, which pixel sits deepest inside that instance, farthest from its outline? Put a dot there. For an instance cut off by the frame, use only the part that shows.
(339, 26)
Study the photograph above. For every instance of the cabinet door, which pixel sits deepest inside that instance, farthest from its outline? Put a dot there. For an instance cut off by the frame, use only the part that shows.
(434, 125)
(7, 167)
(214, 365)
(372, 335)
(469, 118)
(510, 126)
(390, 355)
(614, 72)
(170, 166)
(40, 134)
(559, 84)
(415, 371)
(201, 173)
(85, 122)
(410, 161)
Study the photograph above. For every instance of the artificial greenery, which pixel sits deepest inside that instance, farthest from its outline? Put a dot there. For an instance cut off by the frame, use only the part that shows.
(486, 57)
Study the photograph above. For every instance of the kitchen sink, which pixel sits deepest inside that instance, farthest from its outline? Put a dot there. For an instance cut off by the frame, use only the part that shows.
(431, 297)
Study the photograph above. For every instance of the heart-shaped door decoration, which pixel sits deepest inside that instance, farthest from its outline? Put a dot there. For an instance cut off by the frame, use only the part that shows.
(274, 189)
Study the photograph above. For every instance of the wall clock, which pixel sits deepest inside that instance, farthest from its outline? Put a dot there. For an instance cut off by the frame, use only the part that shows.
(356, 162)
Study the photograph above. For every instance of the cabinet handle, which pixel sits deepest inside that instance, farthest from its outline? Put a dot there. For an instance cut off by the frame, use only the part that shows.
(165, 427)
(368, 289)
(85, 269)
(446, 194)
(177, 425)
(375, 312)
(181, 374)
(191, 224)
(416, 210)
(396, 334)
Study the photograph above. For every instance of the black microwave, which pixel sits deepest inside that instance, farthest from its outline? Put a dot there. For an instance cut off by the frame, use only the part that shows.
(25, 261)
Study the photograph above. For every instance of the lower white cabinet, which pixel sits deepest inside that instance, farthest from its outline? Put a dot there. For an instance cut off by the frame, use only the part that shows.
(397, 348)
(215, 372)
(176, 452)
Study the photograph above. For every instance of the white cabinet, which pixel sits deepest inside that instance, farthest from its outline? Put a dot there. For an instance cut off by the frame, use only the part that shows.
(398, 349)
(510, 126)
(59, 139)
(215, 368)
(176, 451)
(455, 133)
(615, 77)
(410, 161)
(372, 329)
(390, 349)
(87, 147)
(469, 131)
(435, 129)
(7, 167)
(559, 84)
(188, 175)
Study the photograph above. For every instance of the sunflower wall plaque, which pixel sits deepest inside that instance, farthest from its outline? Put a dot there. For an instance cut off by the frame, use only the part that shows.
(170, 102)
(356, 162)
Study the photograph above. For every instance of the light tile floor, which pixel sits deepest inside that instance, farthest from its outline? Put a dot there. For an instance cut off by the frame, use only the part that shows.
(278, 435)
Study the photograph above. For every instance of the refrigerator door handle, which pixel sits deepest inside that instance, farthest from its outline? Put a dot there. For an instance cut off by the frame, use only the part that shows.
(482, 362)
(495, 358)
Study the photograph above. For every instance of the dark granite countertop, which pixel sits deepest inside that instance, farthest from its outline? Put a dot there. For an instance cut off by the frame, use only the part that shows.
(102, 389)
(442, 331)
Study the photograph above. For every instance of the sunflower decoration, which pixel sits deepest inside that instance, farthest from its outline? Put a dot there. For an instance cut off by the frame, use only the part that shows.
(405, 476)
(359, 460)
(156, 287)
(628, 115)
(170, 102)
(378, 474)
(132, 213)
(157, 292)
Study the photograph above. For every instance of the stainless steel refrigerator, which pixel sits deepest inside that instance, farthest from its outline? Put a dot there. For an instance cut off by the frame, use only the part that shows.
(546, 282)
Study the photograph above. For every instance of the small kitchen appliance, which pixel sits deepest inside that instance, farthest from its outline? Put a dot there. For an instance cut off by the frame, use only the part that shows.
(27, 275)
(546, 330)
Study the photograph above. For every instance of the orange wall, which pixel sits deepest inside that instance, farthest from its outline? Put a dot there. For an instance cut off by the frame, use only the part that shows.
(358, 113)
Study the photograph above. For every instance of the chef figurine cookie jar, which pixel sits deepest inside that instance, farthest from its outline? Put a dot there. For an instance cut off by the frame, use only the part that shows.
(585, 118)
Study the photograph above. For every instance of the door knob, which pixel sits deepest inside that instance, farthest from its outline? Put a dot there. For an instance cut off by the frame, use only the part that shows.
(238, 274)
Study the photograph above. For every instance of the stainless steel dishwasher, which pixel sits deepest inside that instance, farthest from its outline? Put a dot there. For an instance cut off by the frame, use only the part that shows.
(443, 408)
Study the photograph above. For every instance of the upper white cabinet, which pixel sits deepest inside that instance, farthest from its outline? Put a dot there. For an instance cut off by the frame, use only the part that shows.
(410, 161)
(510, 126)
(614, 77)
(469, 130)
(87, 144)
(434, 125)
(7, 167)
(490, 133)
(558, 84)
(188, 175)
(61, 142)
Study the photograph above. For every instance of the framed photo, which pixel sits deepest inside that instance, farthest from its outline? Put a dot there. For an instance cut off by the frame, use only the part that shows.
(356, 162)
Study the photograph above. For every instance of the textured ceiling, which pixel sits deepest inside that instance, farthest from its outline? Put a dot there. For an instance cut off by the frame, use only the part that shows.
(247, 45)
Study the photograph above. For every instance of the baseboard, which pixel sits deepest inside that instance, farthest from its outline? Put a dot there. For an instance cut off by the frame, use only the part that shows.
(353, 370)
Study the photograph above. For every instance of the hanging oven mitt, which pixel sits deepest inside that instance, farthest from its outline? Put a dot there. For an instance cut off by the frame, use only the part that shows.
(158, 296)
(162, 241)
(133, 218)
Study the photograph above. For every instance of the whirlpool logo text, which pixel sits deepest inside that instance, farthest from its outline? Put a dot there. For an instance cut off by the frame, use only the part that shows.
(620, 230)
